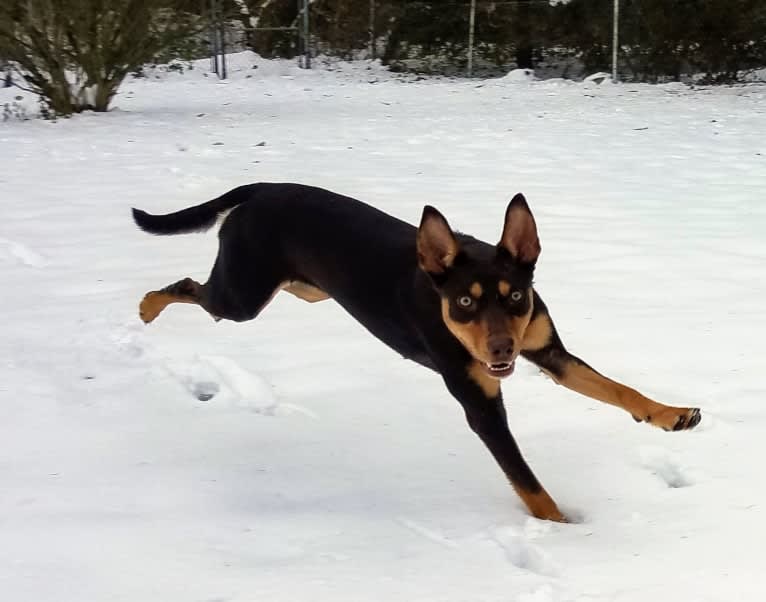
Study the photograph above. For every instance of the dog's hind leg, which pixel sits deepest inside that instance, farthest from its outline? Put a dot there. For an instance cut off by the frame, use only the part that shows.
(183, 291)
(218, 304)
(246, 275)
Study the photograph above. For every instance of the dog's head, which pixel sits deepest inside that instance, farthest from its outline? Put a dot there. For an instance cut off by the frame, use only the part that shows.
(486, 292)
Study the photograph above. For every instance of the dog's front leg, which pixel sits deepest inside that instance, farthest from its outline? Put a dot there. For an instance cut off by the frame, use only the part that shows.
(543, 347)
(480, 396)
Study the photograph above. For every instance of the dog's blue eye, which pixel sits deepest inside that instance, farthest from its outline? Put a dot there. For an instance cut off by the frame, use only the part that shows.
(465, 301)
(516, 296)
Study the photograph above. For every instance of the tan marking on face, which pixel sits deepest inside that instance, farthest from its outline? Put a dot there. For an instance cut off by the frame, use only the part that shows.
(538, 333)
(504, 288)
(304, 291)
(489, 385)
(517, 326)
(472, 335)
(476, 290)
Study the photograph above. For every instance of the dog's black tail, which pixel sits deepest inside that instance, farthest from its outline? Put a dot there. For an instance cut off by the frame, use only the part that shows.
(193, 219)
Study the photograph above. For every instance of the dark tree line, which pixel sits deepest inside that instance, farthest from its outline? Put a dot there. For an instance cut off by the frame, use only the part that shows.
(669, 38)
(660, 39)
(75, 53)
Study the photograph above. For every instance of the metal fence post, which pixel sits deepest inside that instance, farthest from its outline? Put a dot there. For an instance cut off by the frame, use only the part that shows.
(471, 26)
(306, 36)
(222, 71)
(372, 29)
(615, 38)
(217, 40)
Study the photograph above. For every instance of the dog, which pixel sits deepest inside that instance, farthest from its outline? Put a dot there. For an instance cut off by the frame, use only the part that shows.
(446, 300)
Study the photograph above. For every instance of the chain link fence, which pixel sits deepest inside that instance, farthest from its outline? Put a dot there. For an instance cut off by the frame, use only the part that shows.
(472, 38)
(659, 39)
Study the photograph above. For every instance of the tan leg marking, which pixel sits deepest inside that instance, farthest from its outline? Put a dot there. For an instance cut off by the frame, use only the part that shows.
(541, 505)
(504, 288)
(490, 386)
(304, 291)
(588, 382)
(183, 291)
(154, 302)
(580, 378)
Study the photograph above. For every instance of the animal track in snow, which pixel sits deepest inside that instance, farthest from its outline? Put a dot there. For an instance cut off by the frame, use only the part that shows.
(205, 390)
(523, 554)
(543, 593)
(662, 463)
(21, 253)
(427, 533)
(222, 380)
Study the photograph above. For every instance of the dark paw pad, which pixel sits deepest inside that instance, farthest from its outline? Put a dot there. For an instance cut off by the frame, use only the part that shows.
(694, 418)
(689, 420)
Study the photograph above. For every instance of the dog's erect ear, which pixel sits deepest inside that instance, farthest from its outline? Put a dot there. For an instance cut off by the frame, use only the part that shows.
(520, 232)
(437, 245)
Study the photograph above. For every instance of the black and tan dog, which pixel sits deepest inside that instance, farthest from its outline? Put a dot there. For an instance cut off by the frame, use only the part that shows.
(457, 305)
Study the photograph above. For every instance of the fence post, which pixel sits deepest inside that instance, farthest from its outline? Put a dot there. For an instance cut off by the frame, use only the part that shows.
(471, 24)
(222, 71)
(372, 30)
(217, 40)
(306, 36)
(213, 39)
(615, 38)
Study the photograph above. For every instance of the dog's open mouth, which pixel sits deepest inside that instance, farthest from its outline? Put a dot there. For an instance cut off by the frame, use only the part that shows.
(500, 369)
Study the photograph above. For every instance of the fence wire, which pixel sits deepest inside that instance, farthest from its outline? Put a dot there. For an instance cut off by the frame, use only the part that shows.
(660, 39)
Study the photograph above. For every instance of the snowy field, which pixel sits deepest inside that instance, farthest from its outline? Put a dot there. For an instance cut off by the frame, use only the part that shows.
(324, 467)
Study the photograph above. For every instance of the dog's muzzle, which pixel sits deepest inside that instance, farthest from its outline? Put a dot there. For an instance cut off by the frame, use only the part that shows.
(499, 369)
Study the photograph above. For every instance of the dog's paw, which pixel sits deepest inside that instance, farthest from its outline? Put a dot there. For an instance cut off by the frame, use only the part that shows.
(551, 513)
(558, 517)
(688, 419)
(151, 306)
(673, 419)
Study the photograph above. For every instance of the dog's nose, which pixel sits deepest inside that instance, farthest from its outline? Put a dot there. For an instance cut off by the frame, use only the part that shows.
(500, 347)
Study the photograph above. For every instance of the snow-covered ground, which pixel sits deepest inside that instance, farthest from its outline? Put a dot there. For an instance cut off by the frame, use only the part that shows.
(324, 467)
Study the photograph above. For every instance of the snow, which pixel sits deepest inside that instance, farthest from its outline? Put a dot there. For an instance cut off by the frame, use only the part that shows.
(519, 76)
(297, 458)
(598, 78)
